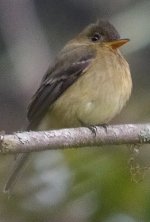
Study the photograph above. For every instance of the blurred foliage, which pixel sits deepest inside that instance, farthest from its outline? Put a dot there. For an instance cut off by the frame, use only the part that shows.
(87, 185)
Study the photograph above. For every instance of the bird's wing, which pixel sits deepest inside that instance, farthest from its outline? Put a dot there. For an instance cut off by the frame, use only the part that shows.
(67, 69)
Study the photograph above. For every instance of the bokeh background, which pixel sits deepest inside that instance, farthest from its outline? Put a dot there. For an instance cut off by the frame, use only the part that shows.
(89, 185)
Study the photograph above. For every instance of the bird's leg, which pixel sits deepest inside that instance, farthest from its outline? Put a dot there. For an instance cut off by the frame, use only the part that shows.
(91, 127)
(104, 125)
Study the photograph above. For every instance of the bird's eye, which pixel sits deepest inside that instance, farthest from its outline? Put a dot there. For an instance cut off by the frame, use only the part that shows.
(97, 36)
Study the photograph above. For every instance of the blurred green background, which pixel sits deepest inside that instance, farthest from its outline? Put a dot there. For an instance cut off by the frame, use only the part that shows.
(87, 185)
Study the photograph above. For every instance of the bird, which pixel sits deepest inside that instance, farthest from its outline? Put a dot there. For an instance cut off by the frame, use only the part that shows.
(88, 83)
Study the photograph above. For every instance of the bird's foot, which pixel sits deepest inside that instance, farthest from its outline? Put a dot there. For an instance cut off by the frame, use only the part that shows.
(104, 125)
(91, 127)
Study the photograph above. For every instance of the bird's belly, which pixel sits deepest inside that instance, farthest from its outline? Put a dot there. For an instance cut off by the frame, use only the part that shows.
(101, 105)
(98, 111)
(97, 107)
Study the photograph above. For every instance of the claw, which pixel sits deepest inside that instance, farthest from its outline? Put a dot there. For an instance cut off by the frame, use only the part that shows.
(104, 125)
(92, 128)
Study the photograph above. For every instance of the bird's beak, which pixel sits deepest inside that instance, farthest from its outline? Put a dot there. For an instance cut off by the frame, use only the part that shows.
(117, 43)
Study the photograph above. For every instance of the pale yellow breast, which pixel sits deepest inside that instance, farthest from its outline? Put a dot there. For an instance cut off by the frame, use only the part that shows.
(96, 97)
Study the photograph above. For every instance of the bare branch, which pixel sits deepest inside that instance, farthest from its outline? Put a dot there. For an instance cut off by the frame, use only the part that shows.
(75, 138)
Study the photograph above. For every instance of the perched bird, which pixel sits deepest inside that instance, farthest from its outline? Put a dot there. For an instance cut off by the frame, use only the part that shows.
(89, 83)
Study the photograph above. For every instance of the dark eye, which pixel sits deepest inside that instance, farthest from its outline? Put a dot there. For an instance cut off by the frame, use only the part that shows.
(97, 36)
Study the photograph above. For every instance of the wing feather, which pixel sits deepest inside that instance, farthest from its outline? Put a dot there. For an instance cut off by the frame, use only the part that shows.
(62, 75)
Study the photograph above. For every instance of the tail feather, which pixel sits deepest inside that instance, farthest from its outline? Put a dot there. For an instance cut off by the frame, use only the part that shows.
(19, 163)
(17, 168)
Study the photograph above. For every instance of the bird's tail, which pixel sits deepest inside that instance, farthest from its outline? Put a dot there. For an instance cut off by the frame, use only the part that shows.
(19, 163)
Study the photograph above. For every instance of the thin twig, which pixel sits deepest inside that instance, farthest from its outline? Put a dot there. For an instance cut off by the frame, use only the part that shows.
(75, 138)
